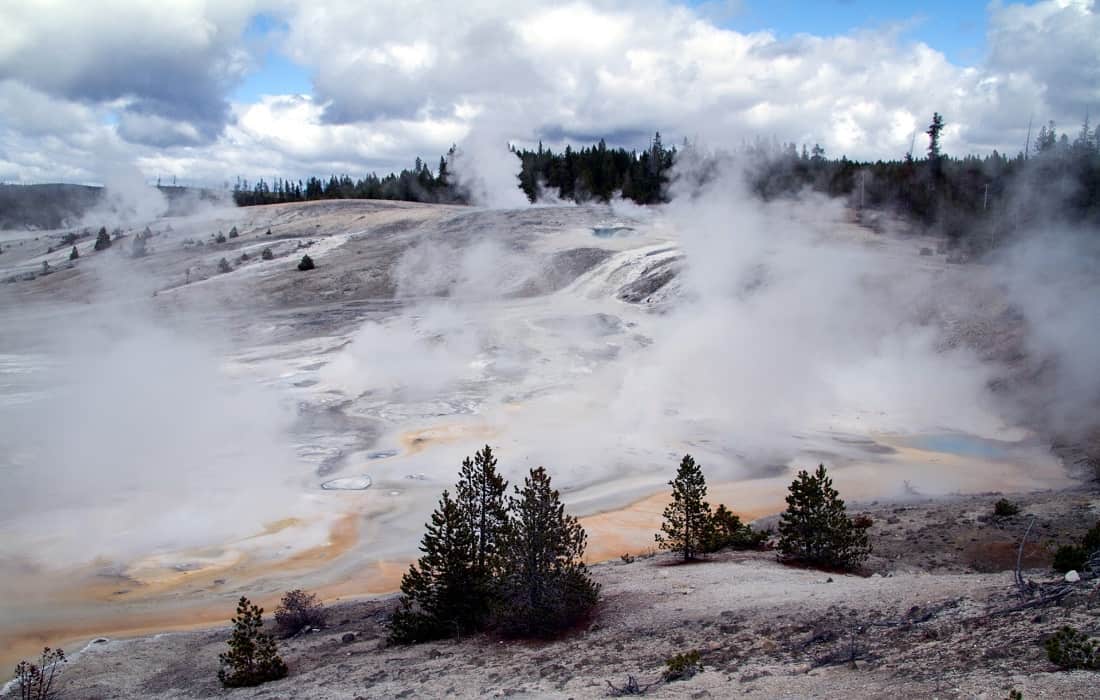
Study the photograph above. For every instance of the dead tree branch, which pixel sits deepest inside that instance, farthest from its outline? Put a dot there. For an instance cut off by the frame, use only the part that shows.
(1020, 583)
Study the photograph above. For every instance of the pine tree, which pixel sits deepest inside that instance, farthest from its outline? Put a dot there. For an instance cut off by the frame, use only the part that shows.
(252, 658)
(102, 240)
(439, 596)
(306, 263)
(934, 131)
(687, 525)
(480, 493)
(727, 530)
(546, 587)
(74, 254)
(816, 529)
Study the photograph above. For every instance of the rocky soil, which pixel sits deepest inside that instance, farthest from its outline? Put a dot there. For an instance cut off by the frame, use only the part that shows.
(932, 616)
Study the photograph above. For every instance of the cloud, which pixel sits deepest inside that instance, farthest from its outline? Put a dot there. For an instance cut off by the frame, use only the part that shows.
(1053, 45)
(168, 61)
(411, 78)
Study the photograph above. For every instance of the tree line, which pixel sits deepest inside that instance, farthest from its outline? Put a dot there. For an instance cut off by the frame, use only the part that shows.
(590, 173)
(973, 201)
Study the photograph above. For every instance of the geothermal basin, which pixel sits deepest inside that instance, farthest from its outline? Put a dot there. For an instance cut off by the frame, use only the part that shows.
(176, 436)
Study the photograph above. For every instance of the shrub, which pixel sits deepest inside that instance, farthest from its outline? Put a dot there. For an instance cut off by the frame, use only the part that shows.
(683, 666)
(252, 658)
(1005, 508)
(1069, 557)
(727, 530)
(224, 266)
(267, 254)
(1071, 649)
(35, 681)
(220, 238)
(686, 529)
(306, 263)
(815, 528)
(102, 240)
(298, 610)
(1091, 543)
(546, 587)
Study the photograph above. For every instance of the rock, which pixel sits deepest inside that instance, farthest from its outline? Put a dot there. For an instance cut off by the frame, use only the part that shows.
(348, 638)
(1072, 577)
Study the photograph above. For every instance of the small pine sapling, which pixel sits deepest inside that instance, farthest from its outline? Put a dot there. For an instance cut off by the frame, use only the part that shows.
(252, 658)
(815, 529)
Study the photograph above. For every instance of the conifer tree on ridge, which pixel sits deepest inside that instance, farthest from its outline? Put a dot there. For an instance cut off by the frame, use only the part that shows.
(688, 521)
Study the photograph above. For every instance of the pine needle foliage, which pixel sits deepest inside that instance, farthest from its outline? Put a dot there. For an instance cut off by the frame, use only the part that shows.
(686, 529)
(1070, 649)
(546, 586)
(102, 240)
(815, 529)
(727, 530)
(480, 493)
(440, 592)
(252, 658)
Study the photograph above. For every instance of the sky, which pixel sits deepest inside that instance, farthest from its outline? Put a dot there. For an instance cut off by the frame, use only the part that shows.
(208, 91)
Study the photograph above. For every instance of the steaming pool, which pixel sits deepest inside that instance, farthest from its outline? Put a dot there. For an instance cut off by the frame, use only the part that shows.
(347, 483)
(964, 445)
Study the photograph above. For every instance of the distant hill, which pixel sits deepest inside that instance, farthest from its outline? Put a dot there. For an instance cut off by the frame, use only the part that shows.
(55, 205)
(44, 206)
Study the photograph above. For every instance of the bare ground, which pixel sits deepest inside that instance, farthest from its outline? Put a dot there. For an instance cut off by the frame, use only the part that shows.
(924, 620)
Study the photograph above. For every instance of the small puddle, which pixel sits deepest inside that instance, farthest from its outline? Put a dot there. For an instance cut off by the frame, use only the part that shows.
(348, 483)
(611, 231)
